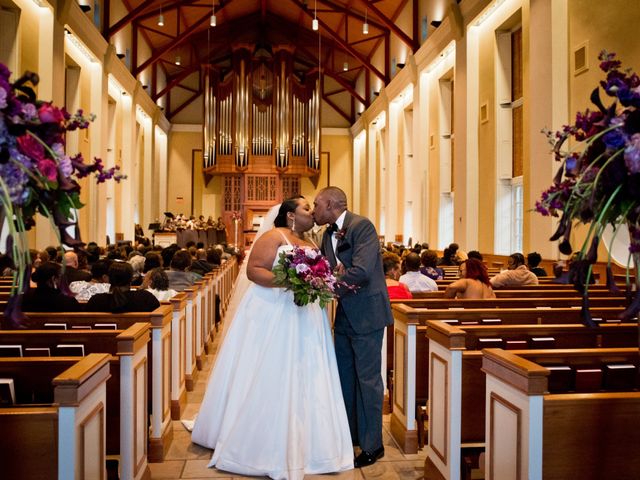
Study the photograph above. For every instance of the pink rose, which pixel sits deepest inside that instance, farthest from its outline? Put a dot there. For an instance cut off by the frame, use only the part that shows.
(31, 147)
(48, 169)
(50, 114)
(319, 269)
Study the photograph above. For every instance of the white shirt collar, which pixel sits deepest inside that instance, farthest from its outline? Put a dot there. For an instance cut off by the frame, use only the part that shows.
(340, 220)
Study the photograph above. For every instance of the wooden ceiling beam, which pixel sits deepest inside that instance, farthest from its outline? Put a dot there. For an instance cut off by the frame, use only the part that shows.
(330, 102)
(353, 14)
(181, 39)
(341, 81)
(390, 24)
(183, 105)
(344, 44)
(368, 39)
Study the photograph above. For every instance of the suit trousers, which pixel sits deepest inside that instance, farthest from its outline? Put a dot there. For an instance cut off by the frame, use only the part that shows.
(359, 366)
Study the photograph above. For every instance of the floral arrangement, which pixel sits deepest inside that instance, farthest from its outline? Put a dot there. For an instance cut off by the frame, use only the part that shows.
(598, 182)
(36, 175)
(307, 273)
(236, 216)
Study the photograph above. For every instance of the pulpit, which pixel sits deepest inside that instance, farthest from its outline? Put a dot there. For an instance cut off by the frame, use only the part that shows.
(164, 239)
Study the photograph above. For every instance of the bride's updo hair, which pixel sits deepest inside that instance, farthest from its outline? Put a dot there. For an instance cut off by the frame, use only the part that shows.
(289, 205)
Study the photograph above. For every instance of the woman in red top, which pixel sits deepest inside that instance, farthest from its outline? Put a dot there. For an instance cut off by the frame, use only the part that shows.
(391, 265)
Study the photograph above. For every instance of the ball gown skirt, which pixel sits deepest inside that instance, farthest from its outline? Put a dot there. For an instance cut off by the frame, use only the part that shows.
(273, 405)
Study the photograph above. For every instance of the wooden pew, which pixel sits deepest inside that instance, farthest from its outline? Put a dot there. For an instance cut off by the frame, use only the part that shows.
(550, 292)
(126, 403)
(456, 383)
(509, 315)
(64, 438)
(507, 302)
(178, 355)
(160, 321)
(537, 435)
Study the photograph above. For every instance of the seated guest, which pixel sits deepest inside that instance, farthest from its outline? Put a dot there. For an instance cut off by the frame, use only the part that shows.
(561, 276)
(429, 260)
(71, 271)
(151, 260)
(458, 255)
(416, 281)
(93, 251)
(55, 254)
(99, 283)
(168, 253)
(391, 266)
(448, 258)
(475, 254)
(213, 257)
(38, 257)
(46, 297)
(179, 276)
(533, 262)
(201, 266)
(121, 298)
(157, 283)
(473, 283)
(137, 263)
(517, 275)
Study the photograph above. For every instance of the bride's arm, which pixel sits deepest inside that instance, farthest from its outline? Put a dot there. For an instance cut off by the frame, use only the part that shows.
(261, 259)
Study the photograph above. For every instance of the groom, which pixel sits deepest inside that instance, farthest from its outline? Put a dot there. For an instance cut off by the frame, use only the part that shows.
(350, 242)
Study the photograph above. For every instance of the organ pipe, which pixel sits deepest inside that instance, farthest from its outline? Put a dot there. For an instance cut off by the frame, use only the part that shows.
(209, 128)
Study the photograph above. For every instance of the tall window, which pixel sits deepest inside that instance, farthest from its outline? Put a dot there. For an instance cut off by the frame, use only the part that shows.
(445, 138)
(509, 141)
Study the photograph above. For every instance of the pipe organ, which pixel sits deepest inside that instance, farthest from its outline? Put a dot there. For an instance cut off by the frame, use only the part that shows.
(262, 127)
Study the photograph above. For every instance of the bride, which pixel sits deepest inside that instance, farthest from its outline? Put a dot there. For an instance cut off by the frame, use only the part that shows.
(273, 405)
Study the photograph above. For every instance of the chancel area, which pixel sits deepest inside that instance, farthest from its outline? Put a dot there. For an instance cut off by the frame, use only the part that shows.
(511, 355)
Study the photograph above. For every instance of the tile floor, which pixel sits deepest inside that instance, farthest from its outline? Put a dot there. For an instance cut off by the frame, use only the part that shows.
(187, 460)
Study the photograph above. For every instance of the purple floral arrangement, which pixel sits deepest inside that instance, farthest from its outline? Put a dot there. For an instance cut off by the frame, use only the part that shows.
(598, 182)
(307, 273)
(36, 175)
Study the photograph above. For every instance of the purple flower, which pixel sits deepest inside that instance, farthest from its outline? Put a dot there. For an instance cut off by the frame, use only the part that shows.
(64, 166)
(16, 180)
(614, 139)
(30, 111)
(632, 154)
(50, 114)
(3, 97)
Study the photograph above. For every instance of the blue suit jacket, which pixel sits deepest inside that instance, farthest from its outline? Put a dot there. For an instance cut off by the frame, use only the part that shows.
(366, 309)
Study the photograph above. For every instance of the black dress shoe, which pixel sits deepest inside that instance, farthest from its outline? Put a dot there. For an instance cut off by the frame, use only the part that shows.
(368, 458)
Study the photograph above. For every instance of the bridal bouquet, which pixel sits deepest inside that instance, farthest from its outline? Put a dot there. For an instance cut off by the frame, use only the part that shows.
(307, 273)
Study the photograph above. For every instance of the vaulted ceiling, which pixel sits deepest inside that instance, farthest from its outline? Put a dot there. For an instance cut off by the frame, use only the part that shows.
(340, 42)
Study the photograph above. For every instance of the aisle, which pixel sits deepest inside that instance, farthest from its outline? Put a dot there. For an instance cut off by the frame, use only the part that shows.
(186, 460)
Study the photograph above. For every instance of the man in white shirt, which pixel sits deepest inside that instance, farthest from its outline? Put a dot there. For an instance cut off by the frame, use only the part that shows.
(416, 281)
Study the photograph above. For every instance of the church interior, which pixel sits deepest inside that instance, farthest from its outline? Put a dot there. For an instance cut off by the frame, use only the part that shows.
(429, 115)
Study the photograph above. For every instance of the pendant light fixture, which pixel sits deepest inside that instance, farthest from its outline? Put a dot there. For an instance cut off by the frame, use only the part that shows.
(161, 18)
(365, 25)
(314, 23)
(213, 22)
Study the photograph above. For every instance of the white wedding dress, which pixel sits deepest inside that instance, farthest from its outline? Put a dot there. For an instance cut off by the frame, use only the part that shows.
(273, 405)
